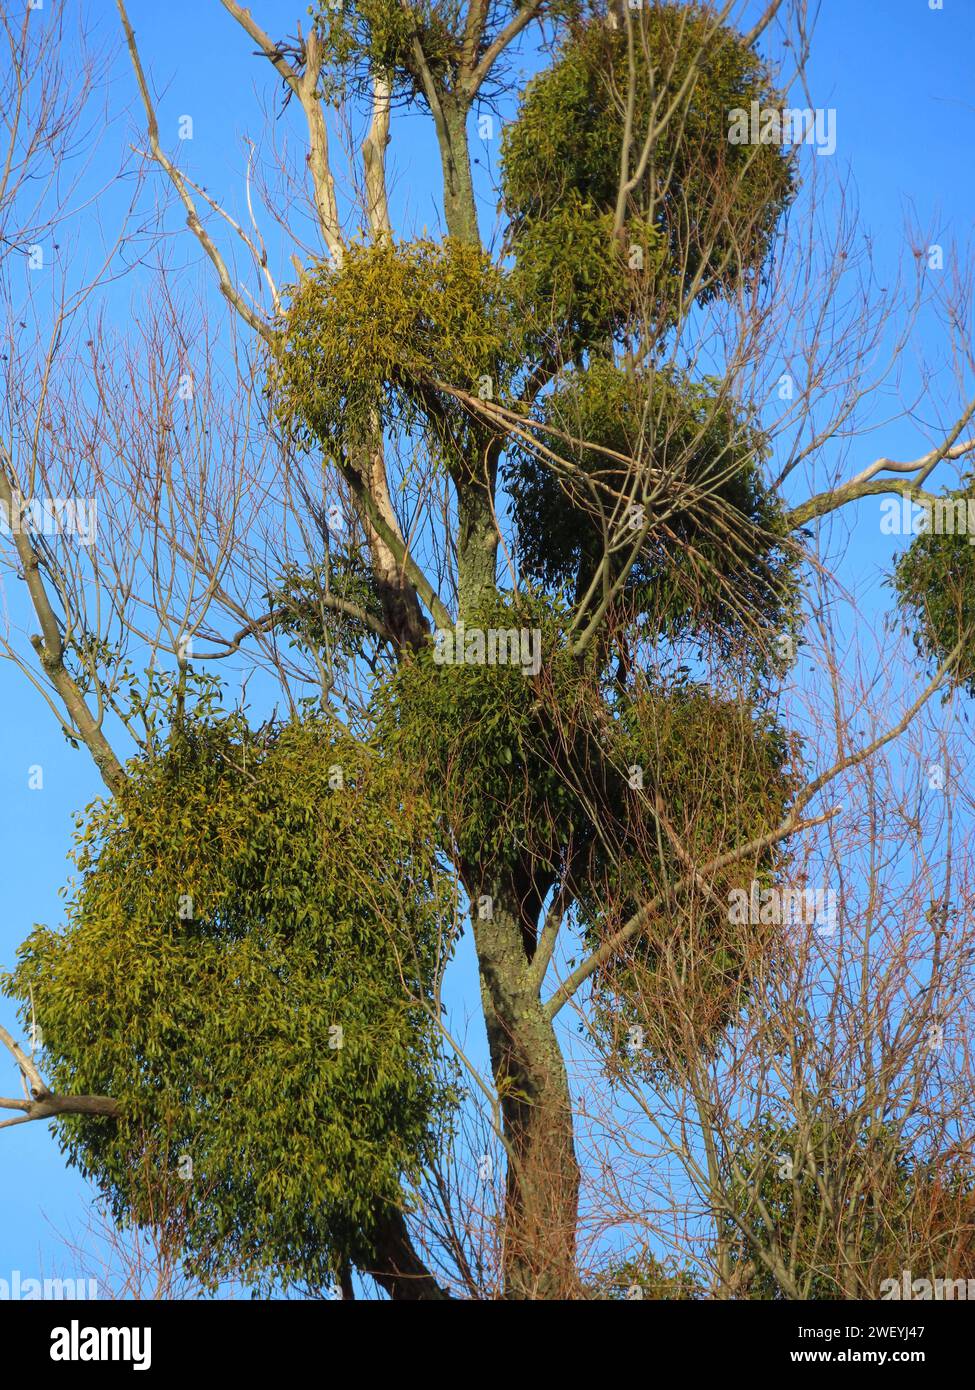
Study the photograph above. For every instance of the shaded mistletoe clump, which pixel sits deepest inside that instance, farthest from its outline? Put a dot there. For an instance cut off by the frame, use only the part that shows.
(703, 211)
(660, 482)
(934, 581)
(684, 974)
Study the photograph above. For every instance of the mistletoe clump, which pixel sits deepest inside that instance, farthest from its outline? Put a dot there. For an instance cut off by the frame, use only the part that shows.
(935, 585)
(576, 280)
(488, 736)
(713, 206)
(670, 474)
(255, 996)
(800, 1189)
(362, 37)
(372, 343)
(689, 969)
(560, 780)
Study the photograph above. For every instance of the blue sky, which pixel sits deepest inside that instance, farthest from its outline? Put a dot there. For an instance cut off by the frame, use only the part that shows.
(899, 76)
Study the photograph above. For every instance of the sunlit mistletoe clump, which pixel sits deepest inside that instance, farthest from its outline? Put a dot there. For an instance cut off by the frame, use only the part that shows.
(257, 997)
(372, 342)
(365, 36)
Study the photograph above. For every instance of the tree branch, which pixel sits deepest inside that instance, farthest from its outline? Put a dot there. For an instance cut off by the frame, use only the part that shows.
(305, 87)
(494, 50)
(868, 484)
(45, 1104)
(388, 532)
(49, 644)
(227, 287)
(374, 158)
(279, 615)
(48, 1106)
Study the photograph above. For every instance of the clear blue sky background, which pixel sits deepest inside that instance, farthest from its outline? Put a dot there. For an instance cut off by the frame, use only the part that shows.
(899, 76)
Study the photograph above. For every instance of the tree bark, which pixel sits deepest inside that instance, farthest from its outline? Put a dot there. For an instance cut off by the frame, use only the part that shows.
(460, 208)
(397, 1267)
(542, 1195)
(477, 545)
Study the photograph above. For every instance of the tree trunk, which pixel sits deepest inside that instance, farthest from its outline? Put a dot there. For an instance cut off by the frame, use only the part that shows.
(477, 544)
(542, 1197)
(460, 207)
